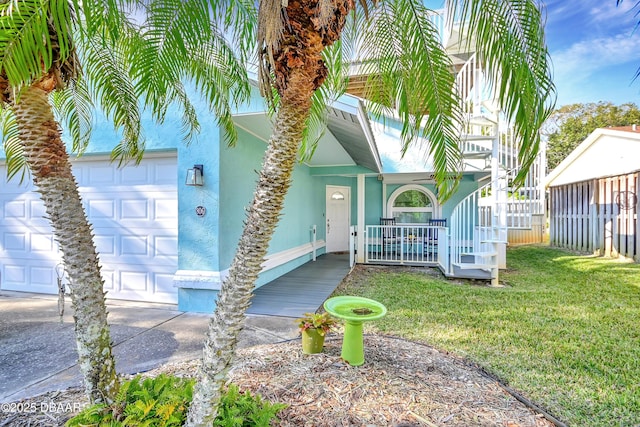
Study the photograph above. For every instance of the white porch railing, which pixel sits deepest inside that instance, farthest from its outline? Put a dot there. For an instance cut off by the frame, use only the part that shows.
(407, 244)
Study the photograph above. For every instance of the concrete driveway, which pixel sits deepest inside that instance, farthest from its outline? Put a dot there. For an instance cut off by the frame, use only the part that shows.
(38, 353)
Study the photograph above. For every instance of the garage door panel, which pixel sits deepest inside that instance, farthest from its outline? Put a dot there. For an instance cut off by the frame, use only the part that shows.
(165, 209)
(134, 209)
(134, 281)
(165, 246)
(30, 276)
(15, 274)
(137, 175)
(164, 289)
(164, 173)
(101, 209)
(134, 246)
(108, 277)
(14, 242)
(133, 213)
(135, 284)
(42, 242)
(106, 245)
(100, 175)
(37, 213)
(41, 276)
(15, 209)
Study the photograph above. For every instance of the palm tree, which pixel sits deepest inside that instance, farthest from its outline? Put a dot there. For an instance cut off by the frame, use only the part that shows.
(411, 73)
(43, 44)
(618, 3)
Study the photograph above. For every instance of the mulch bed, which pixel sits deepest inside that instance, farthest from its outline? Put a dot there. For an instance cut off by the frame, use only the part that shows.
(402, 383)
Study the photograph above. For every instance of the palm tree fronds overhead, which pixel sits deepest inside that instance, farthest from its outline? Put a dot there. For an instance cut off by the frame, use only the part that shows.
(510, 37)
(410, 78)
(31, 43)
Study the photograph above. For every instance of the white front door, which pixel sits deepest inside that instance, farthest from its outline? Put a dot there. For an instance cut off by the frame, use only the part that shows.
(338, 218)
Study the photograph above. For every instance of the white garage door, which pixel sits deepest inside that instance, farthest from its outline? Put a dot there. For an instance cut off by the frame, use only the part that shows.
(134, 215)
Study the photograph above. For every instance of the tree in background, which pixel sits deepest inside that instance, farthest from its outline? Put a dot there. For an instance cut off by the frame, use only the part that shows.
(569, 125)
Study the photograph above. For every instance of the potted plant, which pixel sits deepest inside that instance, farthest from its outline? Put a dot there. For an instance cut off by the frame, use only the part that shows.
(313, 328)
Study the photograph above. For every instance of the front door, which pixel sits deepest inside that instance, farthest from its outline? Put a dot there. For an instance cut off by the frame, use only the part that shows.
(338, 218)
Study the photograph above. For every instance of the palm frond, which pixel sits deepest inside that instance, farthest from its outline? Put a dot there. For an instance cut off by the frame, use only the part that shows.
(12, 145)
(334, 85)
(222, 80)
(104, 19)
(510, 37)
(270, 30)
(411, 79)
(241, 22)
(179, 42)
(74, 108)
(33, 34)
(109, 81)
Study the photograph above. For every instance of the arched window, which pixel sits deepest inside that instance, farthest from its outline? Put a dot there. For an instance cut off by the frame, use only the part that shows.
(412, 204)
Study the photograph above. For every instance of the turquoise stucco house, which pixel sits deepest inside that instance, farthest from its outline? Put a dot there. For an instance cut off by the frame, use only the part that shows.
(163, 240)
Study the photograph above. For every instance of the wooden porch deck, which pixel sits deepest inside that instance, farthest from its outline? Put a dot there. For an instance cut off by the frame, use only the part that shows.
(301, 290)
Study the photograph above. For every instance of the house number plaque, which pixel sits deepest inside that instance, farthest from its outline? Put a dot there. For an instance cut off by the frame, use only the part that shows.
(201, 211)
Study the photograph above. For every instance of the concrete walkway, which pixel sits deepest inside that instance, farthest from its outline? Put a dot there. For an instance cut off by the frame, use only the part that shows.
(38, 353)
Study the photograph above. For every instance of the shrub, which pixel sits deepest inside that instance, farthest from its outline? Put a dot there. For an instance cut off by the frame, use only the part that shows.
(163, 401)
(159, 401)
(245, 410)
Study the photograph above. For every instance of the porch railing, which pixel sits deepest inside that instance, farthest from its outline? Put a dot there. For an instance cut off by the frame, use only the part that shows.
(407, 244)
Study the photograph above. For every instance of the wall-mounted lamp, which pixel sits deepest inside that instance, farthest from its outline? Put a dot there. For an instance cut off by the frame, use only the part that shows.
(195, 176)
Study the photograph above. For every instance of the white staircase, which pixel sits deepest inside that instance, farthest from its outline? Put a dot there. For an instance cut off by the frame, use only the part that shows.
(480, 222)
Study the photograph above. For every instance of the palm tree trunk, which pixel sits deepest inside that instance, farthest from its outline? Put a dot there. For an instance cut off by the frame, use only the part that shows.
(49, 163)
(299, 70)
(262, 217)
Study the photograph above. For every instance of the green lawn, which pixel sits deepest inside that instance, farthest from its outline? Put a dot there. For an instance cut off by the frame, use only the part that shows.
(565, 331)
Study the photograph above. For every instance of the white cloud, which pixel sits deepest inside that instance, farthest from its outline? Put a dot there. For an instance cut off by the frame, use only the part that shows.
(586, 57)
(611, 15)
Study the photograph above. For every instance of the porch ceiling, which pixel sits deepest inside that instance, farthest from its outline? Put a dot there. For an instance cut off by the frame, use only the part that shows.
(427, 177)
(348, 140)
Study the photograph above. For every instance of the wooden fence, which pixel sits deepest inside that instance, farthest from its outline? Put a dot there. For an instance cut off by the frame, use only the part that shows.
(534, 234)
(598, 216)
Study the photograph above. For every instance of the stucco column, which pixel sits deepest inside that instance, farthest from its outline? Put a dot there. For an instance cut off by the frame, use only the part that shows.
(360, 226)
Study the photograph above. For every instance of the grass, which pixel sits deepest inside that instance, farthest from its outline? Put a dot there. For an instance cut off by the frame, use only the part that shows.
(565, 331)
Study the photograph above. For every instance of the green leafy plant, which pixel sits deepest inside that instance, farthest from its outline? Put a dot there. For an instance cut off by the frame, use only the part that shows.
(159, 401)
(323, 322)
(245, 410)
(163, 401)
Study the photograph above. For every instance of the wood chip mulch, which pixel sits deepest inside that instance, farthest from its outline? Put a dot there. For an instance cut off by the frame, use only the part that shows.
(401, 383)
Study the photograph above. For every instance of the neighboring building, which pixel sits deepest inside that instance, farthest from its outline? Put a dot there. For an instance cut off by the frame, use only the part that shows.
(161, 240)
(593, 195)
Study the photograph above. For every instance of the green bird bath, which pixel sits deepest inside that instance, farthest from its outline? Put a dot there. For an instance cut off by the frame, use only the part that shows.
(354, 311)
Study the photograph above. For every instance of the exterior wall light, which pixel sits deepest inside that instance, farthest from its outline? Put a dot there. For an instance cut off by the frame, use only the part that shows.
(195, 176)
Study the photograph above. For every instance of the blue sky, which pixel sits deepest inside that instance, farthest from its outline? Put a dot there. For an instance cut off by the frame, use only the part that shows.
(594, 49)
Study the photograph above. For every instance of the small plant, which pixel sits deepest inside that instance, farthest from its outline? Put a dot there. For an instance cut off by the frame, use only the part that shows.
(160, 401)
(245, 410)
(163, 402)
(322, 322)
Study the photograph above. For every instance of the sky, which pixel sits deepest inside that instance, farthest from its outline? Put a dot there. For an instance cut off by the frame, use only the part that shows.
(595, 50)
